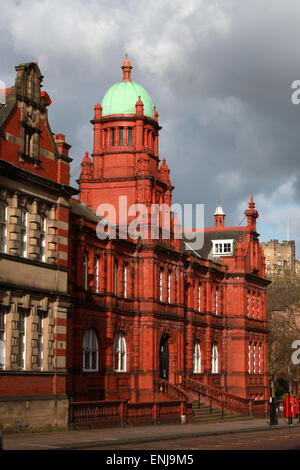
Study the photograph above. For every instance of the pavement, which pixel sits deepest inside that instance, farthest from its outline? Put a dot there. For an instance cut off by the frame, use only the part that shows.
(88, 438)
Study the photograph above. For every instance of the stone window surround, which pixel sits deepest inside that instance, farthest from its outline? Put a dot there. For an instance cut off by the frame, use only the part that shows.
(36, 210)
(35, 358)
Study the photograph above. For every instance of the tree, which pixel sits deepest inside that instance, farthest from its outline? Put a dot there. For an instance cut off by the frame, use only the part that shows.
(284, 326)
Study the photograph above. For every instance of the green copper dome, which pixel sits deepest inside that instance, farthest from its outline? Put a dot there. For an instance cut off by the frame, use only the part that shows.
(122, 97)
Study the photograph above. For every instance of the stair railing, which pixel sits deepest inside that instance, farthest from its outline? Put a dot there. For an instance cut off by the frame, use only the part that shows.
(223, 399)
(170, 390)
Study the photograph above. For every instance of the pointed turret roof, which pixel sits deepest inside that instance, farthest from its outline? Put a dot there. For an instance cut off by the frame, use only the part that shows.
(219, 209)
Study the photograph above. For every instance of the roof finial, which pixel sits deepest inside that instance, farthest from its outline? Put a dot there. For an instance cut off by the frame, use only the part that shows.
(251, 204)
(126, 67)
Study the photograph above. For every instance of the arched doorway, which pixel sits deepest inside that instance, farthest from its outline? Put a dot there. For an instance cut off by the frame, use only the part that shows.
(164, 358)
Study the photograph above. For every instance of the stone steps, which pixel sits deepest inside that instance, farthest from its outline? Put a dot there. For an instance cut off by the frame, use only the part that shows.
(205, 415)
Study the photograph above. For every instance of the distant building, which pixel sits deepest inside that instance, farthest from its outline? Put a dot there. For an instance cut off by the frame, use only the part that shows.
(297, 267)
(280, 258)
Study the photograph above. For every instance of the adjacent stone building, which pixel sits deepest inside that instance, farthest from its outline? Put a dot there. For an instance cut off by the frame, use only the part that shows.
(34, 211)
(280, 258)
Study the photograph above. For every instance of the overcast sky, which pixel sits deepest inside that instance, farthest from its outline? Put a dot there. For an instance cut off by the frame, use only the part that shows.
(219, 72)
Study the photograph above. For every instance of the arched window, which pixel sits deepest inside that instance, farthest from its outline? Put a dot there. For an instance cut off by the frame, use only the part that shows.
(43, 237)
(197, 358)
(24, 235)
(3, 227)
(96, 271)
(90, 351)
(214, 359)
(85, 271)
(120, 353)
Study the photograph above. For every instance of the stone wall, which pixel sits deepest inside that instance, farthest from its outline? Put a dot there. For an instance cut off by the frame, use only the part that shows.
(33, 413)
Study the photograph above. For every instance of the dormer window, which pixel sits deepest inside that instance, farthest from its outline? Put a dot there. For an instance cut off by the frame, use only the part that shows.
(222, 247)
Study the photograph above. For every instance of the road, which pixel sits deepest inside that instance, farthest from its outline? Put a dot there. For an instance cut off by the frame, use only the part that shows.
(283, 439)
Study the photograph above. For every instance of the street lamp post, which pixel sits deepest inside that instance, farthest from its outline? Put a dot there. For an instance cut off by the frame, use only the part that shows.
(290, 421)
(273, 410)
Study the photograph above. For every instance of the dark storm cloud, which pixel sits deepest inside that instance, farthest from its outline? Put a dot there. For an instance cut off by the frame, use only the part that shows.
(220, 73)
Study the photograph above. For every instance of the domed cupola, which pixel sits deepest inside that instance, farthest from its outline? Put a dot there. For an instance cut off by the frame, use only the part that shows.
(125, 150)
(121, 98)
(219, 216)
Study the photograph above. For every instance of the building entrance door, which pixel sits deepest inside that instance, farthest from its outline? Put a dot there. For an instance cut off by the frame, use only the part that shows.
(164, 358)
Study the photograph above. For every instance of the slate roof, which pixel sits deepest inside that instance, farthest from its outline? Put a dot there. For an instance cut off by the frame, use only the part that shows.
(80, 209)
(206, 251)
(6, 110)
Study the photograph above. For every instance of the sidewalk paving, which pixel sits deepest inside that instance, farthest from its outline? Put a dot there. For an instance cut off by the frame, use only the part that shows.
(69, 440)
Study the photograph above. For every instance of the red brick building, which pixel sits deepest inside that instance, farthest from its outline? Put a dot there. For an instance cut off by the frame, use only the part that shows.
(182, 312)
(136, 309)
